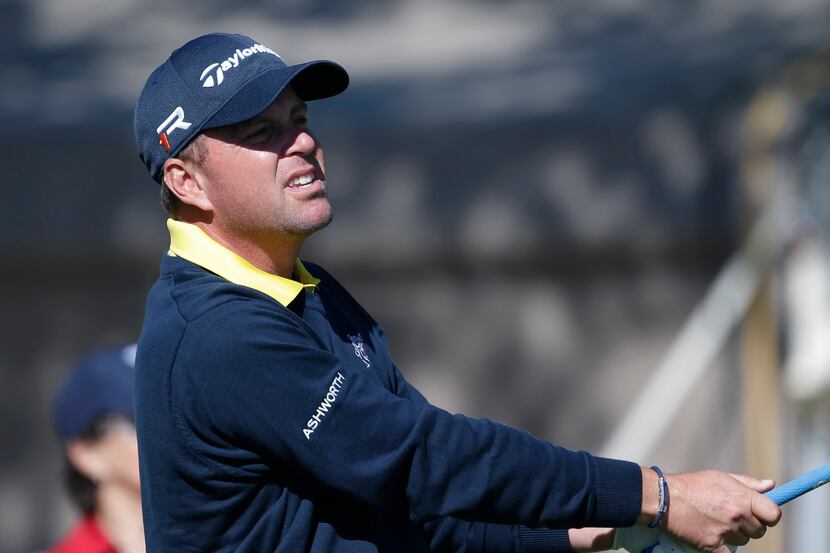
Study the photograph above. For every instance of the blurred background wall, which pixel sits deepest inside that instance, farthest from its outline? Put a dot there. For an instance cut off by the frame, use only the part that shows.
(530, 196)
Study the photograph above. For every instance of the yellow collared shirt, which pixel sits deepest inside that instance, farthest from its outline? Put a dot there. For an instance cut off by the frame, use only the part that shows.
(193, 244)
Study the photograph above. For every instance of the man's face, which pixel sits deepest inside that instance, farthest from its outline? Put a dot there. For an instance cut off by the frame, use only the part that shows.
(109, 455)
(118, 450)
(266, 175)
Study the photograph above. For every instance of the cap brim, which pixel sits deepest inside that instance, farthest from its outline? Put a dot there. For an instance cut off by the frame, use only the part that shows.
(313, 80)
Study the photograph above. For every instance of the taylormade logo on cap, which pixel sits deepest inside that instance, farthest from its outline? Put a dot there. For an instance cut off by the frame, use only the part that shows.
(214, 74)
(215, 80)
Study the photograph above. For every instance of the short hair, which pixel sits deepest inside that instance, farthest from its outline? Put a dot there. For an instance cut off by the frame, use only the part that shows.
(82, 491)
(194, 153)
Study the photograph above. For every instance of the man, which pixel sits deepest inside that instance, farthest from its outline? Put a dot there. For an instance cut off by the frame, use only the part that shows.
(93, 415)
(270, 415)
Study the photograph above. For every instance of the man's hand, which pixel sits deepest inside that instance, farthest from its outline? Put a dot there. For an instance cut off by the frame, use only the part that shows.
(586, 540)
(635, 538)
(669, 544)
(710, 509)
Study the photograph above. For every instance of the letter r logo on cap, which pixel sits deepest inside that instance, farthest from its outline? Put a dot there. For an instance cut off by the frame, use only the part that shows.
(174, 121)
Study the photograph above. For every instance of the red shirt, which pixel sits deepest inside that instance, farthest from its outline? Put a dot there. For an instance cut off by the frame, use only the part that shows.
(85, 537)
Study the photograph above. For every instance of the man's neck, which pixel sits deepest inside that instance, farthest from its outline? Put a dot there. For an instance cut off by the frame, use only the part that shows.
(119, 517)
(275, 253)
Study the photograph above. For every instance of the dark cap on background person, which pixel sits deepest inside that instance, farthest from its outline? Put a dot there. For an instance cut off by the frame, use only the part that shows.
(215, 80)
(100, 384)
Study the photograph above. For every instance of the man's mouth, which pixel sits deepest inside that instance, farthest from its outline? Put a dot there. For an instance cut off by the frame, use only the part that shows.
(299, 182)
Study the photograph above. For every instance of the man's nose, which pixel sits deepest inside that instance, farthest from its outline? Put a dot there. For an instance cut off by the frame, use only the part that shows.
(304, 143)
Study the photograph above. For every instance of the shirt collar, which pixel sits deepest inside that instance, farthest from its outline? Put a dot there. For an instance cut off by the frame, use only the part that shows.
(193, 244)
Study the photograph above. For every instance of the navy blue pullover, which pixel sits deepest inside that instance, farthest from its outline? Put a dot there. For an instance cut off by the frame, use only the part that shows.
(271, 417)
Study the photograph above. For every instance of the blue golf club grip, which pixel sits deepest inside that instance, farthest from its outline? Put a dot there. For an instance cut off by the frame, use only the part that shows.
(794, 488)
(801, 485)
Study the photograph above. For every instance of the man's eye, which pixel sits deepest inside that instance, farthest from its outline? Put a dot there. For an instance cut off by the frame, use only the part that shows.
(302, 121)
(259, 135)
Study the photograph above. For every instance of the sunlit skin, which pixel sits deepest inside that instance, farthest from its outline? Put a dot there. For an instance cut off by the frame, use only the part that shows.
(240, 193)
(687, 492)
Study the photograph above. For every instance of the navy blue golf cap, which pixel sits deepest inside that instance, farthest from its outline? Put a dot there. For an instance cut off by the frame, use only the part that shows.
(214, 80)
(100, 384)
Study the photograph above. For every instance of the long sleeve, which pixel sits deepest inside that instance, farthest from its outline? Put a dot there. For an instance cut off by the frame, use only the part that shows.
(460, 536)
(450, 535)
(265, 378)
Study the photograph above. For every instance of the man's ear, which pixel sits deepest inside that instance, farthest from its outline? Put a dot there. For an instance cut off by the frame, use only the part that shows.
(185, 182)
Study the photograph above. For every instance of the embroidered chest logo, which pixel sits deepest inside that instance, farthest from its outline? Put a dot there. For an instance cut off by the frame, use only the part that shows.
(360, 349)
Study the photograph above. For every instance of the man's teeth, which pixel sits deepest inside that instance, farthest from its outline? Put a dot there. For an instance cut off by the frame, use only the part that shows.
(302, 181)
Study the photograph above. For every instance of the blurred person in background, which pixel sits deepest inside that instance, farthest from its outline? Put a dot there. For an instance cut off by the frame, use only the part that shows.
(93, 416)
